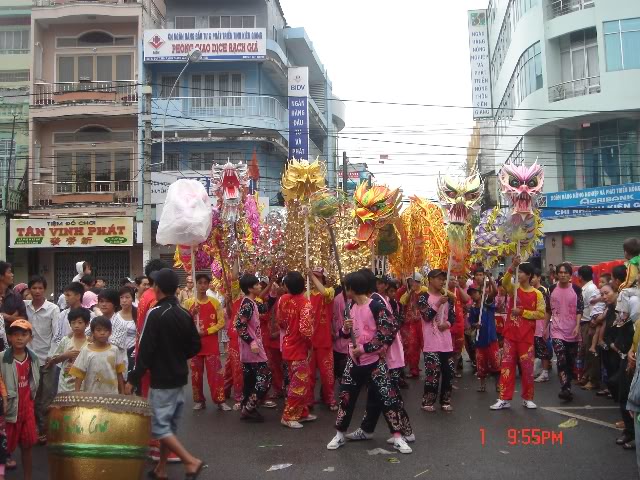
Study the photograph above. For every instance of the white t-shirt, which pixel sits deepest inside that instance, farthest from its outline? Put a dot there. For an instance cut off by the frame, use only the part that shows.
(589, 292)
(67, 382)
(99, 368)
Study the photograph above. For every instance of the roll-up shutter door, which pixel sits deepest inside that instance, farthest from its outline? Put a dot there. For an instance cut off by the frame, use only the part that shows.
(594, 246)
(182, 275)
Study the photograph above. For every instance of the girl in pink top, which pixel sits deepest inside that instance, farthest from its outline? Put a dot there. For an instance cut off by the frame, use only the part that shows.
(438, 315)
(374, 328)
(257, 376)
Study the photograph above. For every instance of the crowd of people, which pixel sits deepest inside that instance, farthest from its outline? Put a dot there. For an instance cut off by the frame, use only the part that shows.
(279, 337)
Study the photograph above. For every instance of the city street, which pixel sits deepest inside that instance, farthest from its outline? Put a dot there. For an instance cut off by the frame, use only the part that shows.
(448, 445)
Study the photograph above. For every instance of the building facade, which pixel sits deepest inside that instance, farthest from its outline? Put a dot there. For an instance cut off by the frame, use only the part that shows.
(564, 78)
(83, 143)
(15, 62)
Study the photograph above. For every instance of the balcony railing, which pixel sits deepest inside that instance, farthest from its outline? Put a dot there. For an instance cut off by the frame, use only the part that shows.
(575, 88)
(558, 8)
(70, 93)
(68, 192)
(53, 3)
(232, 106)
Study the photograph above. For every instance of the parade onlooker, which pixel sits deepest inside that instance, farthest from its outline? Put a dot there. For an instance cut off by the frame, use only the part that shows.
(541, 341)
(186, 292)
(42, 314)
(121, 331)
(11, 304)
(209, 319)
(590, 292)
(73, 294)
(21, 373)
(100, 366)
(519, 331)
(565, 308)
(101, 283)
(69, 348)
(169, 340)
(142, 284)
(129, 315)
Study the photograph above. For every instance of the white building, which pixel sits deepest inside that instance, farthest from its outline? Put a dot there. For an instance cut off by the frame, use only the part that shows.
(565, 83)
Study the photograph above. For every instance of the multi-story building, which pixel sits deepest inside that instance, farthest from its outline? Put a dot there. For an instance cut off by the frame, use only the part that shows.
(232, 104)
(564, 83)
(15, 62)
(83, 146)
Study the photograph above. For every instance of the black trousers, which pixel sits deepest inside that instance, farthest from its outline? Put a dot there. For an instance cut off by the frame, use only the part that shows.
(373, 411)
(257, 381)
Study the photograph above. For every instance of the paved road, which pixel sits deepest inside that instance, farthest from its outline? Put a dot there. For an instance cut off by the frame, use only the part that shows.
(448, 446)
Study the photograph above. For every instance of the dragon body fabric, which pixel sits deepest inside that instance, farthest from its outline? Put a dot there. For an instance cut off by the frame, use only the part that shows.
(460, 198)
(425, 238)
(377, 213)
(517, 227)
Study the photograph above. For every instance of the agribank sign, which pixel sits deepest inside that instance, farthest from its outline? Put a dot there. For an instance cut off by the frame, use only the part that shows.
(214, 43)
(591, 201)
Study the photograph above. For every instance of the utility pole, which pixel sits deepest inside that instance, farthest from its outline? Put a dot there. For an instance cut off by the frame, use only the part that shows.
(5, 191)
(345, 173)
(146, 178)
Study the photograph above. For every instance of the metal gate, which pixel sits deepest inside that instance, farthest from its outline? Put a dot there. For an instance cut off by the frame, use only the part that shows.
(112, 265)
(594, 246)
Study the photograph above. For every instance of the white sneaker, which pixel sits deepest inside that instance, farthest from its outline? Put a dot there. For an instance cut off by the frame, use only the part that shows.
(224, 407)
(401, 445)
(411, 438)
(336, 442)
(359, 434)
(308, 418)
(291, 423)
(198, 406)
(543, 377)
(529, 404)
(500, 405)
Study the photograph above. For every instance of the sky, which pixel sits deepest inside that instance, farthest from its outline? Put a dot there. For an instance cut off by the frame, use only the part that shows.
(405, 51)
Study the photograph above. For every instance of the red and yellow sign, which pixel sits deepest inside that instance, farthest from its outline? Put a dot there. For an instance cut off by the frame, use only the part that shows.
(78, 232)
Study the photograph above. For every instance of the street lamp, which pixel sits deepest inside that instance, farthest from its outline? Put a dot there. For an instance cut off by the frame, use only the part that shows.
(193, 57)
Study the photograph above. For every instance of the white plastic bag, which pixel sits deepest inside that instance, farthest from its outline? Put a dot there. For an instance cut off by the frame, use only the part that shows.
(186, 216)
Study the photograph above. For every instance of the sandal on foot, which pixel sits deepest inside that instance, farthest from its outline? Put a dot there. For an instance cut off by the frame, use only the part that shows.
(196, 474)
(154, 475)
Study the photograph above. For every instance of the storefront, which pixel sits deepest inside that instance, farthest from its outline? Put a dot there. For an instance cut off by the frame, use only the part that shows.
(56, 245)
(586, 227)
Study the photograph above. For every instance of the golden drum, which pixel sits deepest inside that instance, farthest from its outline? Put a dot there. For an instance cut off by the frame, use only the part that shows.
(98, 437)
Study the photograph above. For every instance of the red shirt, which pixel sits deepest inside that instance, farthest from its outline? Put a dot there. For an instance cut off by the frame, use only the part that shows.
(147, 302)
(322, 307)
(295, 316)
(269, 329)
(523, 328)
(232, 332)
(457, 328)
(209, 318)
(23, 370)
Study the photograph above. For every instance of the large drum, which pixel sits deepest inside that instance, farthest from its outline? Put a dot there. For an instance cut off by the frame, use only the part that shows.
(98, 437)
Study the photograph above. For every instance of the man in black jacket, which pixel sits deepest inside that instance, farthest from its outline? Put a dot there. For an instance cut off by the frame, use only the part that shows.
(168, 340)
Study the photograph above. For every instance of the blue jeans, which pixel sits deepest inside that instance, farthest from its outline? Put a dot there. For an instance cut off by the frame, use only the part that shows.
(167, 406)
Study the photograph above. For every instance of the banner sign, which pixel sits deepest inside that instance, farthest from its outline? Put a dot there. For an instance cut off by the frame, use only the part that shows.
(591, 201)
(214, 43)
(80, 232)
(298, 88)
(479, 58)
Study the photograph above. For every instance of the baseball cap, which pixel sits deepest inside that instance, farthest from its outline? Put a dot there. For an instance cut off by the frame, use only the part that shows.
(436, 272)
(166, 279)
(21, 324)
(416, 277)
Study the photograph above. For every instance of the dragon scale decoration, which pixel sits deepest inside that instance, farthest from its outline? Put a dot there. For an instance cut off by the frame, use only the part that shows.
(517, 227)
(460, 198)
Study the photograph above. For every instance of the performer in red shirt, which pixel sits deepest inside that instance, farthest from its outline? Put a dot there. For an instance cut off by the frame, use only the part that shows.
(296, 318)
(209, 319)
(518, 333)
(322, 341)
(271, 336)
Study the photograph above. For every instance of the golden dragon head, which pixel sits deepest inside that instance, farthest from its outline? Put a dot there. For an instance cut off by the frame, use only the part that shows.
(375, 208)
(459, 196)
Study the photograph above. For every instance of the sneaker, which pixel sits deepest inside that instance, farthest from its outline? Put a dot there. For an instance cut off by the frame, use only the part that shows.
(447, 407)
(565, 395)
(543, 377)
(336, 442)
(359, 434)
(529, 404)
(411, 438)
(428, 408)
(291, 423)
(199, 406)
(308, 418)
(173, 458)
(269, 404)
(401, 445)
(224, 407)
(237, 406)
(500, 405)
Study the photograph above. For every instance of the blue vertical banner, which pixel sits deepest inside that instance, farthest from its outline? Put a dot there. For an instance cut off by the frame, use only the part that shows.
(299, 113)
